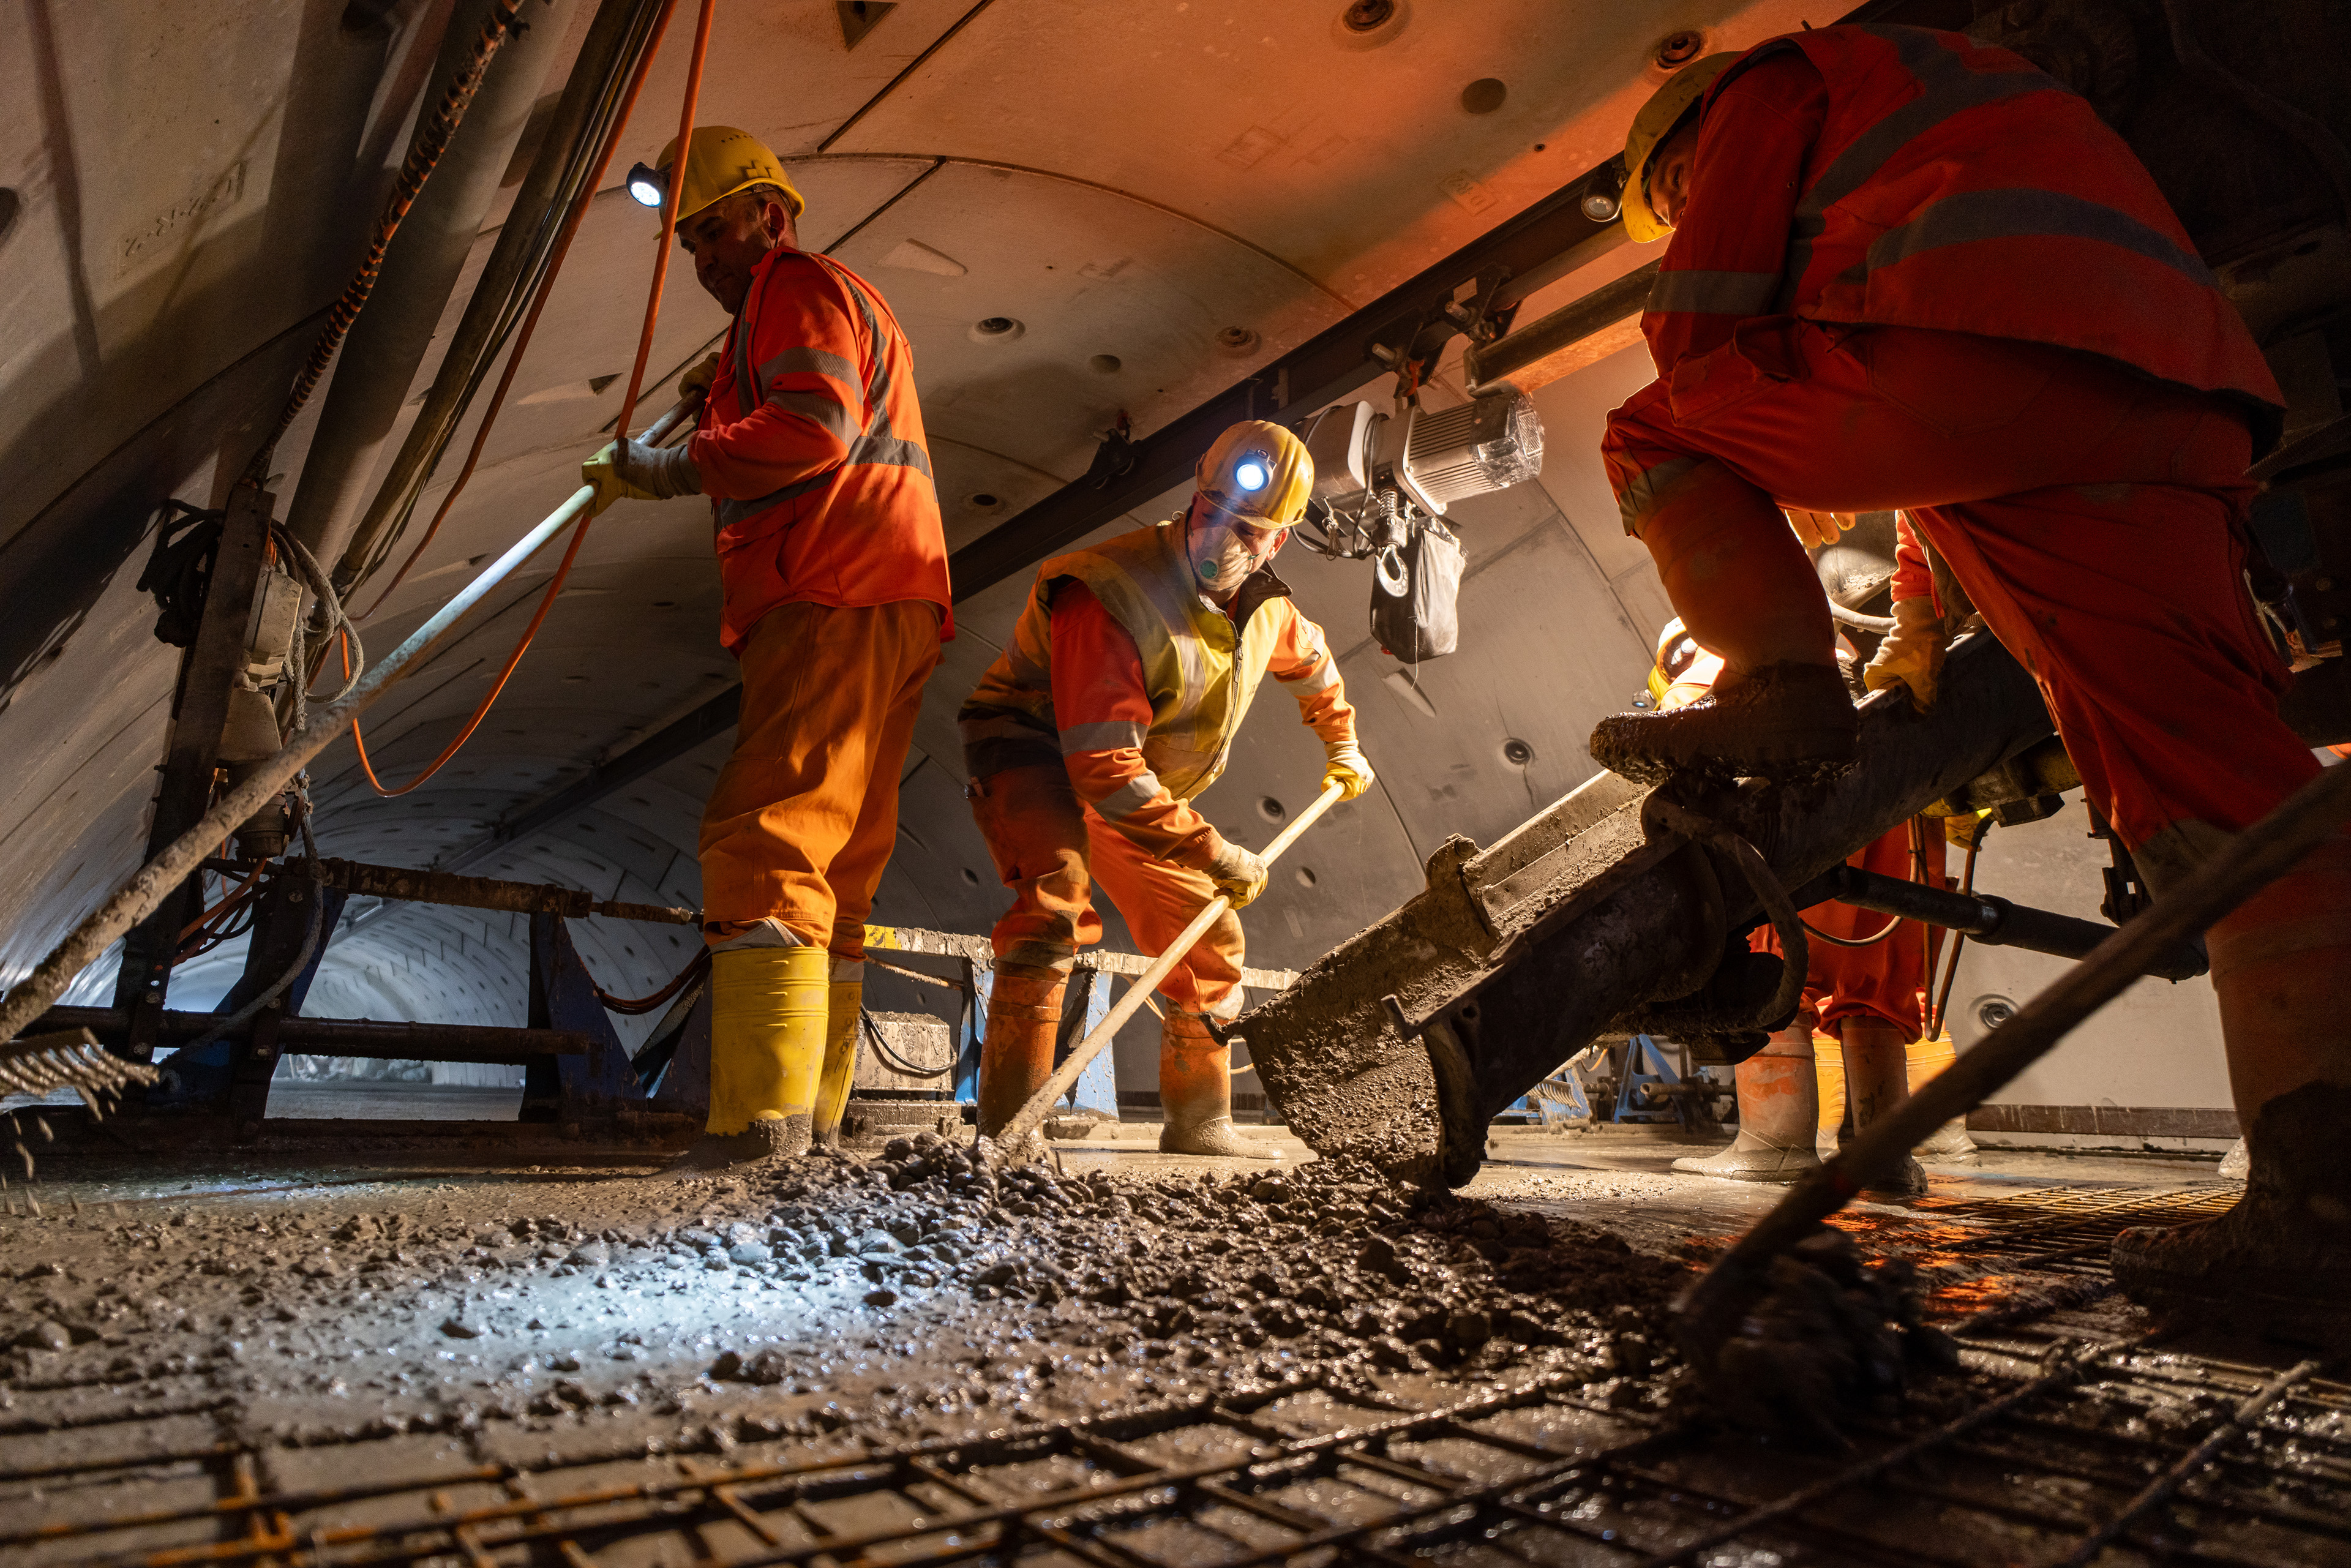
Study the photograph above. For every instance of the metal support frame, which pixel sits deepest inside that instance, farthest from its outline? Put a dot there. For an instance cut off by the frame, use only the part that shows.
(577, 1091)
(294, 906)
(199, 714)
(1643, 1081)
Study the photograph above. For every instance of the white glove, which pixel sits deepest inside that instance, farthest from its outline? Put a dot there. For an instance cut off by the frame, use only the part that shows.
(1345, 765)
(1912, 653)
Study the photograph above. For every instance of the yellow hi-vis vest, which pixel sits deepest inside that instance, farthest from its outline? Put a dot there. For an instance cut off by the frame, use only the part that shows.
(1201, 667)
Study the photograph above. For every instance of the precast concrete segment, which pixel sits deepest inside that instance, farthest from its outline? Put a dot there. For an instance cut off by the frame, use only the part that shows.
(1614, 926)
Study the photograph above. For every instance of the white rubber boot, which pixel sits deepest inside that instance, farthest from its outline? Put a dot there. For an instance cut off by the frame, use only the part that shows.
(1779, 1114)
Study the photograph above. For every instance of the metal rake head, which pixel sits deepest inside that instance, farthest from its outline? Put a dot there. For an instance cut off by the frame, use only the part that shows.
(69, 1059)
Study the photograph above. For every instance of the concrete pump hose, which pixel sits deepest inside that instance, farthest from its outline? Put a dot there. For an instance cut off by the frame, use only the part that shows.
(145, 892)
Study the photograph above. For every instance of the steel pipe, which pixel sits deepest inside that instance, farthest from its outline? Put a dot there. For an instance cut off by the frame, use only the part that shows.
(367, 1037)
(378, 360)
(1577, 334)
(1991, 921)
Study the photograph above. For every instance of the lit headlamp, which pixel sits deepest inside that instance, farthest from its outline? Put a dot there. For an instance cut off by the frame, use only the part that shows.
(648, 186)
(1253, 473)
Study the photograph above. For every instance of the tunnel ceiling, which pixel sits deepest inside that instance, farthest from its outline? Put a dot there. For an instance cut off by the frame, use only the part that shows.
(1163, 196)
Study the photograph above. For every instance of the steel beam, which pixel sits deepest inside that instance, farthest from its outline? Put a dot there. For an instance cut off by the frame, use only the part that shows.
(366, 1038)
(199, 714)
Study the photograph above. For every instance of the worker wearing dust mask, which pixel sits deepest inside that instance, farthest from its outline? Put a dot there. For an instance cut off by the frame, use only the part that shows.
(1113, 706)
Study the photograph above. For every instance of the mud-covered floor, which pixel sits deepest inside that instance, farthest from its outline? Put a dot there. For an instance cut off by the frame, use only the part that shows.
(315, 1325)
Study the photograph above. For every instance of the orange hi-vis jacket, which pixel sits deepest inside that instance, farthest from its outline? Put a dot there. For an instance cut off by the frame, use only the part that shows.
(1900, 176)
(810, 448)
(1119, 671)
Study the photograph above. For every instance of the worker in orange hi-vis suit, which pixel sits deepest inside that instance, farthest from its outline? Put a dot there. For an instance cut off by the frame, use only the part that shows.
(1908, 272)
(833, 566)
(1112, 707)
(1866, 994)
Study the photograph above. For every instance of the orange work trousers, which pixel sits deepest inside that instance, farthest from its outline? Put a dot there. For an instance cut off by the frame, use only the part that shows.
(2095, 515)
(802, 820)
(1880, 983)
(1051, 849)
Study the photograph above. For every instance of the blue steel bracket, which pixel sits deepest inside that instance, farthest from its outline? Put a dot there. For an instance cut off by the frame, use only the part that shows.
(577, 1091)
(1085, 1007)
(681, 1084)
(1646, 1065)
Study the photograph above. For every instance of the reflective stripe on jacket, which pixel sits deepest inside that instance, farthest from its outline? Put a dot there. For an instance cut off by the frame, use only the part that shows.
(1157, 731)
(1935, 182)
(819, 479)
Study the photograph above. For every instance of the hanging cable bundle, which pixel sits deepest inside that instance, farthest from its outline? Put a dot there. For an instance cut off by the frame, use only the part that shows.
(431, 140)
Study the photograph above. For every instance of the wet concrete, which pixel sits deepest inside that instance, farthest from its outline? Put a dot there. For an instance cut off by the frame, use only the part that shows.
(431, 1310)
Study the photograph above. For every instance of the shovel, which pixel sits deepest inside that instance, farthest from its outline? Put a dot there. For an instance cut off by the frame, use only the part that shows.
(1710, 1311)
(1026, 1120)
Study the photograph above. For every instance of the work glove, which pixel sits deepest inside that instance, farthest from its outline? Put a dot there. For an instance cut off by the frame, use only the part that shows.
(697, 379)
(1818, 528)
(1239, 874)
(629, 469)
(1345, 765)
(1912, 653)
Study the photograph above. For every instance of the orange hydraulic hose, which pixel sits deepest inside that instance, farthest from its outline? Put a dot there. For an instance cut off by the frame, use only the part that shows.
(628, 406)
(522, 337)
(669, 214)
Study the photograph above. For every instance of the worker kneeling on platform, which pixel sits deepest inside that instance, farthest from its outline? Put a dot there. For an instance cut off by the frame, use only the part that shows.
(834, 565)
(1114, 705)
(1908, 272)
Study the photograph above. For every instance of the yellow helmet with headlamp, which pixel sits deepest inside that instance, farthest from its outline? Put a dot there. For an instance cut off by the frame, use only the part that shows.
(1259, 472)
(720, 161)
(1658, 119)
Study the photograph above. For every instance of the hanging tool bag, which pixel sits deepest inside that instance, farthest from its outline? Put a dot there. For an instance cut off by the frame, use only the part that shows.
(1415, 588)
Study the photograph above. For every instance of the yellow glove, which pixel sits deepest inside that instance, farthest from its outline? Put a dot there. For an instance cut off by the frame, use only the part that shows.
(696, 380)
(611, 485)
(1818, 528)
(1346, 766)
(1239, 874)
(1912, 653)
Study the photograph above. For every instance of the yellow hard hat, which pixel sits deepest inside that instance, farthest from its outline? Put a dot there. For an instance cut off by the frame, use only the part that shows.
(1257, 470)
(1657, 121)
(721, 162)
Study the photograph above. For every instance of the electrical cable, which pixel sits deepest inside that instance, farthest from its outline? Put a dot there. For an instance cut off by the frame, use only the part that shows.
(586, 159)
(1891, 921)
(695, 967)
(672, 198)
(545, 287)
(424, 153)
(628, 406)
(892, 1060)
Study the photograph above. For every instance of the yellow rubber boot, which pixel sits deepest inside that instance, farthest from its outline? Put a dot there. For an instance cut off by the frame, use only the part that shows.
(767, 1042)
(1951, 1145)
(844, 1012)
(1828, 1065)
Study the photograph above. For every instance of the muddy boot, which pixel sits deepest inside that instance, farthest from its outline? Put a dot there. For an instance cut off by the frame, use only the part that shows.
(2281, 1259)
(1024, 1010)
(1779, 1114)
(1948, 1144)
(1828, 1072)
(1877, 1078)
(1196, 1091)
(2237, 1165)
(768, 1011)
(1788, 723)
(844, 1013)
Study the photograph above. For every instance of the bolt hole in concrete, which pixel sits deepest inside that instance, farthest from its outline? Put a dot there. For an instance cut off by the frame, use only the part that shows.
(996, 329)
(1368, 23)
(1271, 810)
(1994, 1011)
(983, 501)
(1305, 875)
(1238, 340)
(1104, 364)
(1517, 752)
(1681, 48)
(1484, 96)
(970, 876)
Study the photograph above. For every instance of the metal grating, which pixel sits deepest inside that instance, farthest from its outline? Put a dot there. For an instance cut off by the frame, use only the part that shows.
(2070, 1438)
